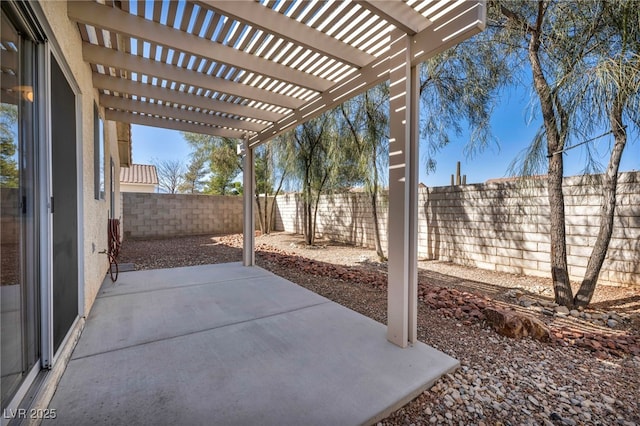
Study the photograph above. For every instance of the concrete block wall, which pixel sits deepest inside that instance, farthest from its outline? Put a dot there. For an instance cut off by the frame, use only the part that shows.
(146, 215)
(344, 217)
(505, 227)
(501, 226)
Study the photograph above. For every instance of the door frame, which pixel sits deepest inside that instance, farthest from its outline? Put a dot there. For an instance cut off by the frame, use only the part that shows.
(52, 49)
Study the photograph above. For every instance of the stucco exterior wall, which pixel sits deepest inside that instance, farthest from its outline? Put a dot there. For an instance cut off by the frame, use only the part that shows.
(497, 226)
(93, 223)
(137, 187)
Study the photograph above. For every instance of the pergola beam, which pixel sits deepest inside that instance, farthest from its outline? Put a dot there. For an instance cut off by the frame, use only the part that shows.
(130, 105)
(113, 19)
(145, 120)
(398, 13)
(469, 20)
(113, 58)
(130, 87)
(259, 16)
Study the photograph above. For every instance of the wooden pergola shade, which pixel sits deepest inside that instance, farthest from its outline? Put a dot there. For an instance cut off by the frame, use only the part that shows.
(255, 69)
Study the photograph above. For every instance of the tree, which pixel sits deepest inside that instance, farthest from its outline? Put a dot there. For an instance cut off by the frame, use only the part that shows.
(192, 179)
(9, 176)
(283, 163)
(221, 156)
(612, 79)
(264, 185)
(365, 119)
(236, 188)
(458, 91)
(169, 175)
(321, 161)
(584, 64)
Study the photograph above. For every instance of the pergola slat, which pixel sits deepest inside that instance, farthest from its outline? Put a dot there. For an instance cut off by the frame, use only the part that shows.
(290, 30)
(111, 57)
(157, 11)
(130, 105)
(398, 13)
(171, 14)
(145, 120)
(186, 16)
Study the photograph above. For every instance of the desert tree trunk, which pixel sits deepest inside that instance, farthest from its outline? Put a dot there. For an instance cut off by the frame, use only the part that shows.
(258, 204)
(607, 211)
(374, 210)
(368, 151)
(272, 215)
(555, 135)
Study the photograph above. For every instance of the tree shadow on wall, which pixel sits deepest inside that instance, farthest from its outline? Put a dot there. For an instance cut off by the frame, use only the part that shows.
(455, 224)
(343, 220)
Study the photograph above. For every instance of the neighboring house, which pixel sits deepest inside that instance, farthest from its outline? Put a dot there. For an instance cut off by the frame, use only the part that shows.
(139, 178)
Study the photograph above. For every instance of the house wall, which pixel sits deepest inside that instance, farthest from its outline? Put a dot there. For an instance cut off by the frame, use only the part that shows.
(497, 226)
(165, 215)
(93, 223)
(137, 187)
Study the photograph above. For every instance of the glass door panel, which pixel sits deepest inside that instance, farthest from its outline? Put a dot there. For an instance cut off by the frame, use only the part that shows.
(18, 348)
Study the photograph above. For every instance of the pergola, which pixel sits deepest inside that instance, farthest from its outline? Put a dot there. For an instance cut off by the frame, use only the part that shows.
(252, 70)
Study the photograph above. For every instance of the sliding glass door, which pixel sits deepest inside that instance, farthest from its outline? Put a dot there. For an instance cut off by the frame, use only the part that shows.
(19, 319)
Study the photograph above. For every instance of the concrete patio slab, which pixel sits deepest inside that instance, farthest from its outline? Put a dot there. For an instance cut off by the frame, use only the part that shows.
(238, 346)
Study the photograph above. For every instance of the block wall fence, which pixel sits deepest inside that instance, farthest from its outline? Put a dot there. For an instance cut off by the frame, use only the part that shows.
(501, 226)
(146, 215)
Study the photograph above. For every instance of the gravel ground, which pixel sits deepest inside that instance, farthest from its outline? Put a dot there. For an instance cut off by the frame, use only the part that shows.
(502, 381)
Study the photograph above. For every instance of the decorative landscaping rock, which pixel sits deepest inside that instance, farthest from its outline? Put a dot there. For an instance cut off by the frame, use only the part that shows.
(552, 309)
(512, 324)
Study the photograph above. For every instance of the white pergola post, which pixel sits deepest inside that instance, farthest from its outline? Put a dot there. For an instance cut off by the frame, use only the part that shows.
(249, 226)
(402, 297)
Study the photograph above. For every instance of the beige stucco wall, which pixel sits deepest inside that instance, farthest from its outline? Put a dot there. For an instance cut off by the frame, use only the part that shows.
(95, 212)
(137, 187)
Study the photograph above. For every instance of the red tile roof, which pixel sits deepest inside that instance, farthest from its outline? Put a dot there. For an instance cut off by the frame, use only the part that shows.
(139, 173)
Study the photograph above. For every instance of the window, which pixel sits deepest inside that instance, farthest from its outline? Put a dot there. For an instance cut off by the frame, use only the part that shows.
(98, 154)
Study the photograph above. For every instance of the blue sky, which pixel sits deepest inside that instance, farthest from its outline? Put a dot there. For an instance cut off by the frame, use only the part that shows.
(509, 125)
